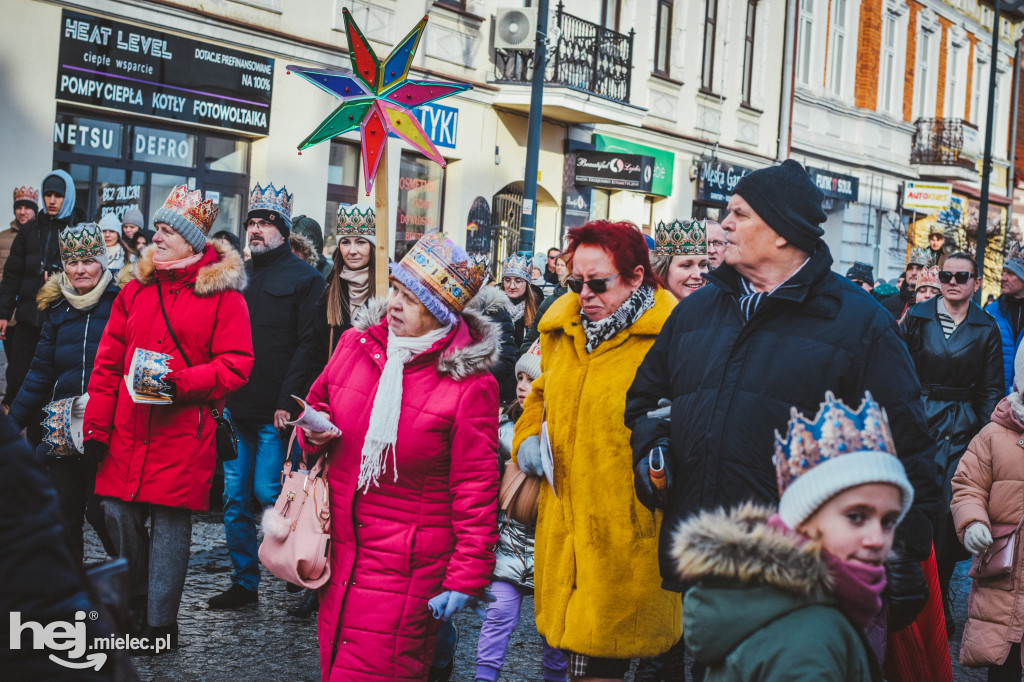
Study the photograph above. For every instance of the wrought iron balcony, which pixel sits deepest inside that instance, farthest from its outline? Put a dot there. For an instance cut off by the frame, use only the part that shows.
(587, 57)
(941, 142)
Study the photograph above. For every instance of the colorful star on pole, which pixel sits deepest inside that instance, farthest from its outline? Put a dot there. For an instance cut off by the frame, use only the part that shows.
(377, 97)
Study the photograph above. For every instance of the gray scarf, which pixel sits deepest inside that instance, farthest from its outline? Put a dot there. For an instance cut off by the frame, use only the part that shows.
(639, 302)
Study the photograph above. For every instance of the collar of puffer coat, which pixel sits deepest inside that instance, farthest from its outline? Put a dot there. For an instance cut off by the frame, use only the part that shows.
(564, 314)
(473, 347)
(221, 269)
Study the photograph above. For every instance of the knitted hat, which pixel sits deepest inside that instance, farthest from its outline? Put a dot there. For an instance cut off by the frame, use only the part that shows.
(861, 272)
(786, 198)
(269, 203)
(839, 449)
(529, 362)
(311, 230)
(929, 277)
(82, 242)
(1014, 261)
(26, 196)
(111, 223)
(357, 220)
(919, 256)
(187, 214)
(441, 275)
(133, 216)
(517, 266)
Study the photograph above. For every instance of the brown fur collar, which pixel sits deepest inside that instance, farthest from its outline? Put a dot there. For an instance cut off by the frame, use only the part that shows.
(48, 294)
(226, 274)
(738, 546)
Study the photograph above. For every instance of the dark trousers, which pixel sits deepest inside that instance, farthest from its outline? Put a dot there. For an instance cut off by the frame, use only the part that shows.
(20, 351)
(948, 551)
(1010, 670)
(75, 482)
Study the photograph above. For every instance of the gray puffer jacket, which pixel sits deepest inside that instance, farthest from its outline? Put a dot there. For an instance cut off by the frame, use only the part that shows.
(514, 553)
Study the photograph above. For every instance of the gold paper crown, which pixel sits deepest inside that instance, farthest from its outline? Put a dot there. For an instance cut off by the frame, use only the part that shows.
(191, 207)
(356, 220)
(929, 277)
(681, 238)
(81, 242)
(26, 194)
(919, 257)
(445, 270)
(835, 431)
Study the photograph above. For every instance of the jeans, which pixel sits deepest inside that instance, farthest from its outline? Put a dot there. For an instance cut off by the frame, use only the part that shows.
(253, 479)
(502, 617)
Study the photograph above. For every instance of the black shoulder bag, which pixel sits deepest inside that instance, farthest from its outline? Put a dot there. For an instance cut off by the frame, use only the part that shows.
(227, 439)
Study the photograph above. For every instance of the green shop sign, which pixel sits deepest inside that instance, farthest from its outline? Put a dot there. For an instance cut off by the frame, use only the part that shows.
(664, 161)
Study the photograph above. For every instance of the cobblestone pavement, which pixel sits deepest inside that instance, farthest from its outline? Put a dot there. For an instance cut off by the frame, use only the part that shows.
(263, 643)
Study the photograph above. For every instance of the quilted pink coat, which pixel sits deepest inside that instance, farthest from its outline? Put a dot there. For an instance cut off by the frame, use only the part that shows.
(434, 528)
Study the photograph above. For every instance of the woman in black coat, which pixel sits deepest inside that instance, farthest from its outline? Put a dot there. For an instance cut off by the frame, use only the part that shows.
(76, 306)
(957, 352)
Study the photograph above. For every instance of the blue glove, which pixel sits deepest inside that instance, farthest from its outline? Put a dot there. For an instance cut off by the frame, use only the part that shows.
(528, 458)
(447, 604)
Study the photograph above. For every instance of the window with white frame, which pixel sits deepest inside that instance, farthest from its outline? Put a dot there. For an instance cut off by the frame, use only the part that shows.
(980, 88)
(806, 43)
(924, 99)
(837, 47)
(956, 81)
(888, 77)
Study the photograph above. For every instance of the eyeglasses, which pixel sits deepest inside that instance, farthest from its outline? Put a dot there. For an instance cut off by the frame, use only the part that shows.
(258, 223)
(598, 286)
(718, 245)
(961, 277)
(508, 281)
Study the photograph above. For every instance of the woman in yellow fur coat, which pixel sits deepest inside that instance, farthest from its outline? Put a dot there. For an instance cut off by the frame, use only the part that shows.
(598, 589)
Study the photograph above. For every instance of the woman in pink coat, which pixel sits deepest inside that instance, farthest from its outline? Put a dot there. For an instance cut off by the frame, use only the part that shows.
(412, 477)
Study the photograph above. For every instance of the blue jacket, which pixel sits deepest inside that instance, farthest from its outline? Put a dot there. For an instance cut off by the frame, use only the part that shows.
(997, 309)
(63, 360)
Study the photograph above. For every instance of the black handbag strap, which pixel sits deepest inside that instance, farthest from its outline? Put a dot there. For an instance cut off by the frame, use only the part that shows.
(167, 321)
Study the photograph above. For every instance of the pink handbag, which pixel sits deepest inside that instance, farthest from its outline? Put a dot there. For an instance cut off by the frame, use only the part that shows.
(297, 529)
(996, 564)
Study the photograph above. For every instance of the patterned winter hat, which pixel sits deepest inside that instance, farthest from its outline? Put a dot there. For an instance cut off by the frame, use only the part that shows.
(681, 238)
(441, 275)
(837, 450)
(26, 196)
(82, 242)
(357, 220)
(188, 215)
(929, 277)
(529, 362)
(517, 266)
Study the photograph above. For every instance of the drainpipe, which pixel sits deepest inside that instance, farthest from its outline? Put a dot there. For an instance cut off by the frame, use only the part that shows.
(788, 68)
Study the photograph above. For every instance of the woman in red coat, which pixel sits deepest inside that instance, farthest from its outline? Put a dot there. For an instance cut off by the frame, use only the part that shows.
(412, 477)
(157, 461)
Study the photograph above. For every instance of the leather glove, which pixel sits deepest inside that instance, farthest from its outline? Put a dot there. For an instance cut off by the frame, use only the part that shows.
(650, 496)
(95, 451)
(977, 538)
(528, 458)
(447, 604)
(907, 591)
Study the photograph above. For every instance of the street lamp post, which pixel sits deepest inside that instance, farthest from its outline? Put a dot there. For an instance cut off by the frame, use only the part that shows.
(526, 228)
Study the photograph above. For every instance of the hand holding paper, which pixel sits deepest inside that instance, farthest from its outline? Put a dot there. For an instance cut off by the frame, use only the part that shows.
(314, 421)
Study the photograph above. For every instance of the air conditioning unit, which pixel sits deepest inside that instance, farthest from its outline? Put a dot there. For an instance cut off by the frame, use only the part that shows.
(515, 28)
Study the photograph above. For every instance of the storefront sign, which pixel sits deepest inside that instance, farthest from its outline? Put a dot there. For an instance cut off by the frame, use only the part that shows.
(614, 171)
(87, 136)
(440, 123)
(576, 207)
(120, 66)
(835, 185)
(664, 162)
(717, 180)
(926, 196)
(163, 146)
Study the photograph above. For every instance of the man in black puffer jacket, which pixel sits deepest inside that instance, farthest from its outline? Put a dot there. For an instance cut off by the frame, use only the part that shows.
(775, 331)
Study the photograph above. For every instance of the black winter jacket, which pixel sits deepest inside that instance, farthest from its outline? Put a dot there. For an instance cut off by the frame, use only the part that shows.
(492, 303)
(732, 385)
(897, 303)
(67, 347)
(35, 251)
(961, 379)
(282, 295)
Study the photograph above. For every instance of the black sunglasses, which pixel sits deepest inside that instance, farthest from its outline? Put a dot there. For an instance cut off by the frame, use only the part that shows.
(961, 277)
(598, 286)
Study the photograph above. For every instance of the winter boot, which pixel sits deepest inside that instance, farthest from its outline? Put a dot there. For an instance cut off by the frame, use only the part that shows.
(234, 597)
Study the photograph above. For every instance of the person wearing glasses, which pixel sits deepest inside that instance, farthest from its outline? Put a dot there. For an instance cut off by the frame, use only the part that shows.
(957, 352)
(551, 275)
(716, 243)
(516, 283)
(598, 594)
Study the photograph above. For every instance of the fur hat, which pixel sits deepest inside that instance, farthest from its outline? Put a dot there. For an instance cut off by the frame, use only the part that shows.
(529, 362)
(786, 198)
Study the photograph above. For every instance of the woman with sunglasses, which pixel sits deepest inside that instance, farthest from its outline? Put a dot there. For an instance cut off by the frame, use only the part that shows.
(958, 354)
(598, 590)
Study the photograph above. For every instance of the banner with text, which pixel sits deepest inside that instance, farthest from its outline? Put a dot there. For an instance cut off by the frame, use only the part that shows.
(835, 185)
(717, 180)
(614, 171)
(926, 196)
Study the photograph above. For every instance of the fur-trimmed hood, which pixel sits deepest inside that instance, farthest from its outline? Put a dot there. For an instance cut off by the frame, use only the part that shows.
(477, 357)
(50, 293)
(227, 273)
(488, 301)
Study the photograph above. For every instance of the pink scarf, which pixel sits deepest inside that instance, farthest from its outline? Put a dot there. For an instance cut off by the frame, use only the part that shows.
(180, 264)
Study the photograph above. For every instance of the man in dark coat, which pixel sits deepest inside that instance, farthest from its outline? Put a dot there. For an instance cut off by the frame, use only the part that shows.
(897, 305)
(776, 329)
(282, 296)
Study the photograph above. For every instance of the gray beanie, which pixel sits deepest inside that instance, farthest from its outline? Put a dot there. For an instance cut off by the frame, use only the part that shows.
(529, 362)
(133, 216)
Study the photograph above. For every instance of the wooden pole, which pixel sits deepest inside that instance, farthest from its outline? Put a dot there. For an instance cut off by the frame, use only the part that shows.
(380, 188)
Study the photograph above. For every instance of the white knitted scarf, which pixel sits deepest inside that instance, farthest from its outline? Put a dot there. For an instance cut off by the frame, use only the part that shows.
(382, 433)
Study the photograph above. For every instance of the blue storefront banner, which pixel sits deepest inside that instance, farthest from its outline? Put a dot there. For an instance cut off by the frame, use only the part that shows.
(439, 122)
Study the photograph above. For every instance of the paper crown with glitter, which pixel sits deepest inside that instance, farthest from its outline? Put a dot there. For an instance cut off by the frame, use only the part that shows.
(81, 242)
(517, 266)
(919, 257)
(839, 449)
(681, 238)
(188, 215)
(441, 275)
(929, 277)
(26, 194)
(62, 426)
(357, 220)
(272, 200)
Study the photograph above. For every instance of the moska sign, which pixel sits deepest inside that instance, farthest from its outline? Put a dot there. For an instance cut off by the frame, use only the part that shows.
(717, 180)
(835, 185)
(614, 171)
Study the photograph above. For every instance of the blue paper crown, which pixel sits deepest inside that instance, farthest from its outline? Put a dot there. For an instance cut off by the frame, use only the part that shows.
(271, 199)
(835, 431)
(517, 266)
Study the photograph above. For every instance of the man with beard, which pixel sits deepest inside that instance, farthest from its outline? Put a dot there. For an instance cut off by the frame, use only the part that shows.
(282, 296)
(897, 305)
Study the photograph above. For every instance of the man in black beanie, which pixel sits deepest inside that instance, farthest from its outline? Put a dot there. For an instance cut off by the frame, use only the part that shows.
(863, 275)
(775, 329)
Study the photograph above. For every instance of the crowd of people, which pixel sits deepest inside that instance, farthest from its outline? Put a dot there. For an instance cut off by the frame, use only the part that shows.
(706, 443)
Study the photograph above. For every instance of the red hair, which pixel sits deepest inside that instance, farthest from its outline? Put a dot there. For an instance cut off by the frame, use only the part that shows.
(622, 240)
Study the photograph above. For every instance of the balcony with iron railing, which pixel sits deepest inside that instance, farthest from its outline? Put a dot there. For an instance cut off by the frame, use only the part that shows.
(588, 63)
(945, 149)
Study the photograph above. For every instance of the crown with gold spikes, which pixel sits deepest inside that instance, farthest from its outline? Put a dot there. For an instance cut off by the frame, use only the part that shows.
(357, 220)
(441, 275)
(517, 266)
(188, 206)
(81, 242)
(1016, 252)
(929, 277)
(835, 431)
(681, 238)
(919, 256)
(271, 199)
(26, 194)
